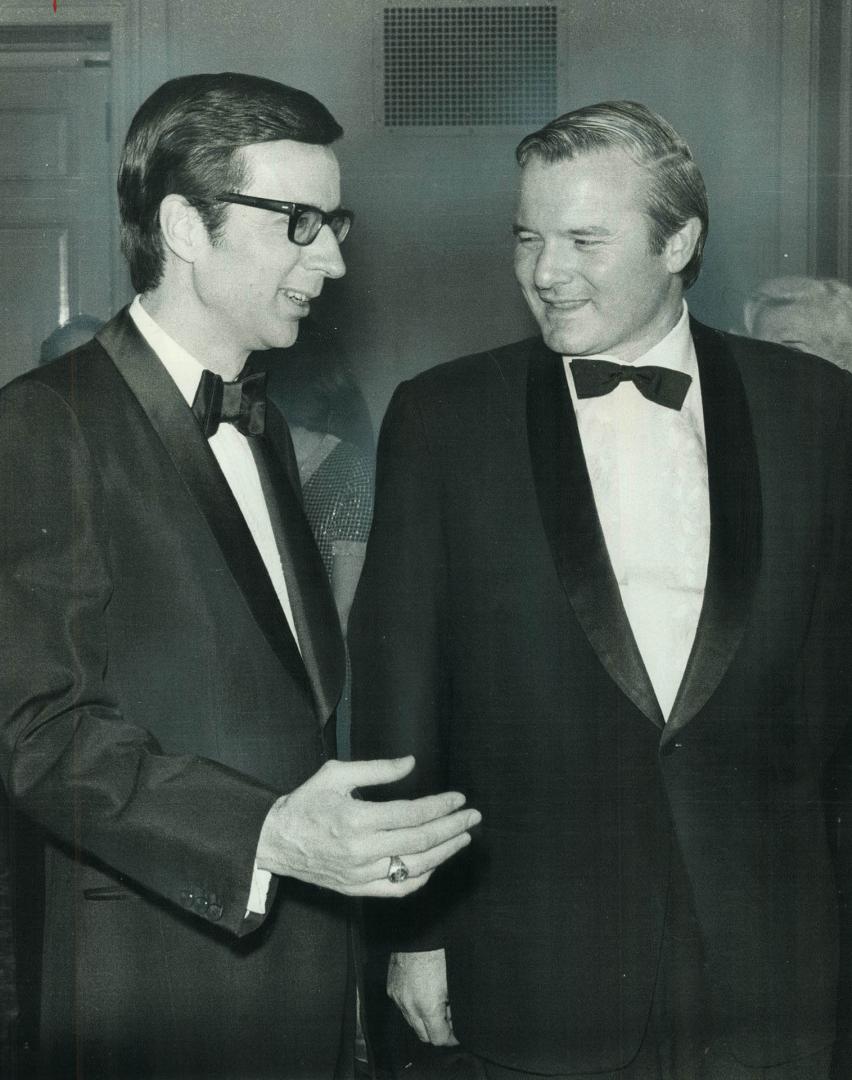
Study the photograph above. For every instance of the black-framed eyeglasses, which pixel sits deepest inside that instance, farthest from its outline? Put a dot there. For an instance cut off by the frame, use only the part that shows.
(305, 221)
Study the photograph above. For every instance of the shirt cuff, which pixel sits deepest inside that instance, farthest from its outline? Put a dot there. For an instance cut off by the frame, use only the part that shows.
(260, 880)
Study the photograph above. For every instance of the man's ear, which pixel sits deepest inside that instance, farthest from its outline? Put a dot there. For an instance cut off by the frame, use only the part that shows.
(681, 245)
(183, 230)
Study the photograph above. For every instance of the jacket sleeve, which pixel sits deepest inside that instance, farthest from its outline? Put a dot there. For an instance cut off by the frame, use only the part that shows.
(398, 638)
(72, 758)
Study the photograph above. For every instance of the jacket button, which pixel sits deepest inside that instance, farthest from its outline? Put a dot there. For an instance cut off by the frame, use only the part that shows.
(215, 912)
(200, 904)
(670, 747)
(186, 899)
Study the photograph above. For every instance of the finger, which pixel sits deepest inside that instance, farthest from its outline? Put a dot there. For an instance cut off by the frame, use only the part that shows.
(383, 889)
(425, 837)
(365, 856)
(428, 861)
(369, 849)
(419, 867)
(353, 774)
(406, 813)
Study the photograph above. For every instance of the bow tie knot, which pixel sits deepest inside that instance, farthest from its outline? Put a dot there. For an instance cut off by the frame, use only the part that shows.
(241, 403)
(664, 386)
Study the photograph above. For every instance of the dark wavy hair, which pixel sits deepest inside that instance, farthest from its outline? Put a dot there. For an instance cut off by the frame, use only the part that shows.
(676, 189)
(184, 140)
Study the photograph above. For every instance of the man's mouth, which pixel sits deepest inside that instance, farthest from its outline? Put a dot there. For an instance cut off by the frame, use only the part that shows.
(565, 305)
(298, 297)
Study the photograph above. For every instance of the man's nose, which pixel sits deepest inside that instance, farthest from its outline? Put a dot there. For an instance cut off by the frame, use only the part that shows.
(325, 254)
(555, 265)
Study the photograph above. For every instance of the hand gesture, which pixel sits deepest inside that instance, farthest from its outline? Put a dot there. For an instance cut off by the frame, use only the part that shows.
(322, 834)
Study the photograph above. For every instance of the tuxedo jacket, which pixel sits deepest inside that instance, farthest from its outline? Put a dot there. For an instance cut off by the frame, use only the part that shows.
(489, 639)
(153, 705)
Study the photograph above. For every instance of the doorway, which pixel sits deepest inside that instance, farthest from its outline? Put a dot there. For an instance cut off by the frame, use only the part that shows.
(57, 218)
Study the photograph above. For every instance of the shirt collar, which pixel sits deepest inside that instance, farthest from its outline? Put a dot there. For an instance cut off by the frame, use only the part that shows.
(184, 369)
(676, 350)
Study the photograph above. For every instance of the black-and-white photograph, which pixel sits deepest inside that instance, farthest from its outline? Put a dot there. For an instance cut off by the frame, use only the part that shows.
(426, 540)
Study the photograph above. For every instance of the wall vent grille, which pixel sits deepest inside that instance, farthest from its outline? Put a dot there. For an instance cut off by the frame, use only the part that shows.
(469, 66)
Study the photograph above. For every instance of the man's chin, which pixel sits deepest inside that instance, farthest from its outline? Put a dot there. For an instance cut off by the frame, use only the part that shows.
(283, 336)
(290, 339)
(562, 343)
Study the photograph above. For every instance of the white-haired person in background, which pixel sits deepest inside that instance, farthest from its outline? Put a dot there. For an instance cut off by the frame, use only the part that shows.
(806, 313)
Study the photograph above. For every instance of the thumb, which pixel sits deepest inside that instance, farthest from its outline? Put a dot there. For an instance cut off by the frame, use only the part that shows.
(357, 774)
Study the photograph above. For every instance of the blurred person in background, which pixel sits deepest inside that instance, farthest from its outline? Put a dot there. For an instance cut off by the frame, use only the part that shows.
(69, 335)
(332, 434)
(333, 440)
(813, 315)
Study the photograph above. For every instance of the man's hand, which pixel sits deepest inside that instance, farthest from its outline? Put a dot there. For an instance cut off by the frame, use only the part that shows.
(321, 834)
(417, 982)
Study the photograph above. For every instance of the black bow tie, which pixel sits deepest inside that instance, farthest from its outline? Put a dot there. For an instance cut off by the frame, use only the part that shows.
(241, 403)
(594, 378)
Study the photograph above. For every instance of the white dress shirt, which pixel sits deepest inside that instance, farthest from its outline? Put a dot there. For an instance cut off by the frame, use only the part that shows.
(232, 452)
(648, 468)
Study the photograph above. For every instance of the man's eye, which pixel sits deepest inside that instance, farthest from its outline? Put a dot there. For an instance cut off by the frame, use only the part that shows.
(526, 238)
(586, 242)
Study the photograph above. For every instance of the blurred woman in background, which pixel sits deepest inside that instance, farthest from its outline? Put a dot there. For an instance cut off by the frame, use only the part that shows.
(333, 438)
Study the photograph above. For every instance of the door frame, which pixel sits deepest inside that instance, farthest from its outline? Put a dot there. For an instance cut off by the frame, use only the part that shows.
(843, 207)
(798, 47)
(818, 102)
(138, 63)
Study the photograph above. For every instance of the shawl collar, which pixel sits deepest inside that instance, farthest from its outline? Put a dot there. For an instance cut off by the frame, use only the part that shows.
(314, 612)
(570, 518)
(736, 516)
(197, 467)
(571, 522)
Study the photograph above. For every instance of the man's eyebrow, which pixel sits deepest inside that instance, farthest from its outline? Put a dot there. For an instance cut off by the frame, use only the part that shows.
(589, 230)
(583, 230)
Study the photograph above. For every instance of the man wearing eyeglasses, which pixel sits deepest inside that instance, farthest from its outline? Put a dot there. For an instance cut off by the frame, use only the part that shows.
(172, 657)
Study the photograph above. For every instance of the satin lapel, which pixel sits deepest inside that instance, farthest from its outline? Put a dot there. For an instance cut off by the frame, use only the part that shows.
(567, 505)
(735, 526)
(314, 613)
(191, 456)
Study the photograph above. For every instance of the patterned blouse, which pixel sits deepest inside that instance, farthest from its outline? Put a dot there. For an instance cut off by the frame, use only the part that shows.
(338, 494)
